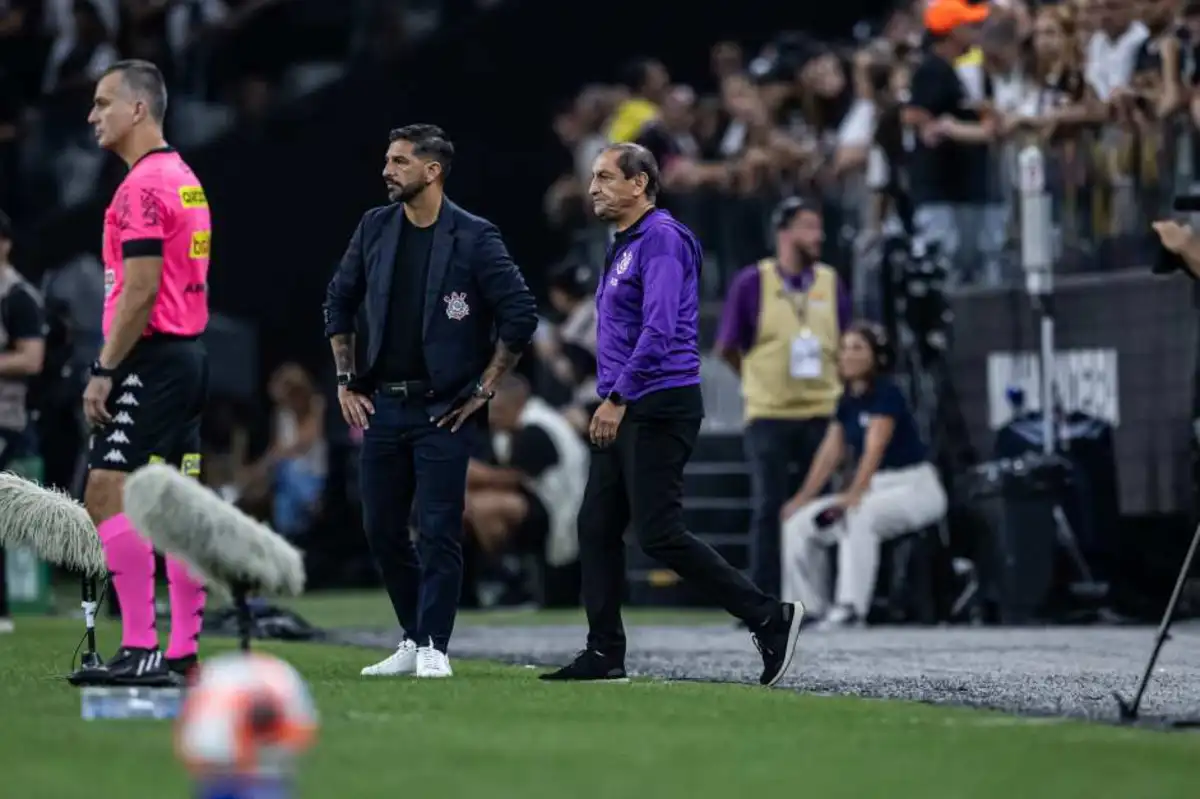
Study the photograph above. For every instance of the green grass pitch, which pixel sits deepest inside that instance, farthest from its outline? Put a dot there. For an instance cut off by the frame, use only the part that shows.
(495, 731)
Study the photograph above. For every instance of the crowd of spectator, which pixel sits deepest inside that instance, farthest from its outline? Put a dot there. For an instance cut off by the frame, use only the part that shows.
(228, 63)
(908, 131)
(1106, 87)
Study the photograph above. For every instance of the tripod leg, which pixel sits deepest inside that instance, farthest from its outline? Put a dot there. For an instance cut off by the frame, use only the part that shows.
(1130, 711)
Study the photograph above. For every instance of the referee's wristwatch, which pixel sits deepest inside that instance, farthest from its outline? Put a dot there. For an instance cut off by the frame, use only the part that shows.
(98, 369)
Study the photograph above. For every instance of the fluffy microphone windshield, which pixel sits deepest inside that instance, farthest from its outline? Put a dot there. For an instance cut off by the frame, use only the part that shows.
(226, 547)
(51, 524)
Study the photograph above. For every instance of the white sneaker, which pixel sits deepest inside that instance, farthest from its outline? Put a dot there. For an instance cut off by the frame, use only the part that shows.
(6, 625)
(432, 663)
(401, 662)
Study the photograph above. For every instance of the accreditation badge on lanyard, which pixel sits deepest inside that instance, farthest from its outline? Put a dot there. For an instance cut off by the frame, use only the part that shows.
(806, 356)
(804, 362)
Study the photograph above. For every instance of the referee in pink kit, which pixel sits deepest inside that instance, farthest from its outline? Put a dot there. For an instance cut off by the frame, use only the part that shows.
(148, 387)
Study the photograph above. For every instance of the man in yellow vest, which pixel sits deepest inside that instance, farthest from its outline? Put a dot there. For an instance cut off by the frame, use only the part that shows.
(780, 328)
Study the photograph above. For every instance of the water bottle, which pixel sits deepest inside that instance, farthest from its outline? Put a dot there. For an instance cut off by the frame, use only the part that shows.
(130, 703)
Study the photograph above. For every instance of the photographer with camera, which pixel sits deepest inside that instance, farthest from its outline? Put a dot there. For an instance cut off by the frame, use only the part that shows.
(895, 489)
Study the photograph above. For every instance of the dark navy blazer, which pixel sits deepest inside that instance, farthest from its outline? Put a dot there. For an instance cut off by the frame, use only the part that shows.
(474, 295)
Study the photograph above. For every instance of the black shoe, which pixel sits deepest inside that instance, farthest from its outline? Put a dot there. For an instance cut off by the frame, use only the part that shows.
(186, 666)
(776, 641)
(590, 666)
(143, 668)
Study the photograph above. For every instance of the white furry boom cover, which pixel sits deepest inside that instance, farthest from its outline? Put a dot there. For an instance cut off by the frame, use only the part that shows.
(50, 523)
(224, 546)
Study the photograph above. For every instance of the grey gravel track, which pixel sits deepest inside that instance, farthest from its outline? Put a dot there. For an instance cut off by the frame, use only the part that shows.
(1060, 671)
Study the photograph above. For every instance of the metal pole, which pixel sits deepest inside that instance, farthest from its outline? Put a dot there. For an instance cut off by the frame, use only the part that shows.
(1037, 258)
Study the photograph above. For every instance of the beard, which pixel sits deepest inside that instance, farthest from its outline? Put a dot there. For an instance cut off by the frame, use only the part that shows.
(807, 256)
(400, 193)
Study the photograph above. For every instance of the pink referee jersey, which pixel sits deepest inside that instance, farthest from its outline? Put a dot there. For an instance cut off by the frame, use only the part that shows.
(160, 210)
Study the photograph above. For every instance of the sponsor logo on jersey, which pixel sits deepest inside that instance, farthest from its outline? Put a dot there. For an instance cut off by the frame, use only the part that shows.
(192, 197)
(201, 244)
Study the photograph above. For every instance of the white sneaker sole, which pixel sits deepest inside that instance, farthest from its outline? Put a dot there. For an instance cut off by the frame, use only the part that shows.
(792, 640)
(384, 674)
(438, 676)
(410, 671)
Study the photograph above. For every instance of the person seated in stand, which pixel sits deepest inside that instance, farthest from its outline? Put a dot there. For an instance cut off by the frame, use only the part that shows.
(286, 484)
(895, 489)
(526, 501)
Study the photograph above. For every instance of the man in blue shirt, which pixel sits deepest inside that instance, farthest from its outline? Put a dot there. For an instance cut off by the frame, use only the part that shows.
(648, 374)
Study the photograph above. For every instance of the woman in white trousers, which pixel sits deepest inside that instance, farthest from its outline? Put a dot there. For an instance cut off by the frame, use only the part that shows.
(895, 489)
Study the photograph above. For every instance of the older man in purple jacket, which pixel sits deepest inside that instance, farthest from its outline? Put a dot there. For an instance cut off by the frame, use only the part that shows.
(648, 374)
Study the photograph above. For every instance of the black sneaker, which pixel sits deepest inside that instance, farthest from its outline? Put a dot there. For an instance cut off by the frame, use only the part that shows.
(590, 666)
(776, 642)
(186, 666)
(144, 668)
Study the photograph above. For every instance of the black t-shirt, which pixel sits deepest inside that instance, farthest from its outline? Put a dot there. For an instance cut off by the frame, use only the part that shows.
(533, 451)
(1147, 62)
(948, 172)
(23, 316)
(402, 356)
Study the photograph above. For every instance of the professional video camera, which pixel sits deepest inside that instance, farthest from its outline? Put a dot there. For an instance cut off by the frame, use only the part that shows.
(915, 275)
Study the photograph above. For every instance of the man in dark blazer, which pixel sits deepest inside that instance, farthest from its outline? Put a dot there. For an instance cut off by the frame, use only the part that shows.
(447, 314)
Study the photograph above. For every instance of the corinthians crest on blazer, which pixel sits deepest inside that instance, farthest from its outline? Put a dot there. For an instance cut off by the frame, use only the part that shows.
(474, 295)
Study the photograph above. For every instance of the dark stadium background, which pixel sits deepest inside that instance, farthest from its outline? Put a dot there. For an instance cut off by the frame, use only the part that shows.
(286, 200)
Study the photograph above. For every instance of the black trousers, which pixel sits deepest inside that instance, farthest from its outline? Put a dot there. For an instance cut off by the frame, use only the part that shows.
(779, 453)
(406, 458)
(638, 480)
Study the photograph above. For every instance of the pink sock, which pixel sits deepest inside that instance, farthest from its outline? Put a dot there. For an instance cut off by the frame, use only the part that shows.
(187, 610)
(131, 561)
